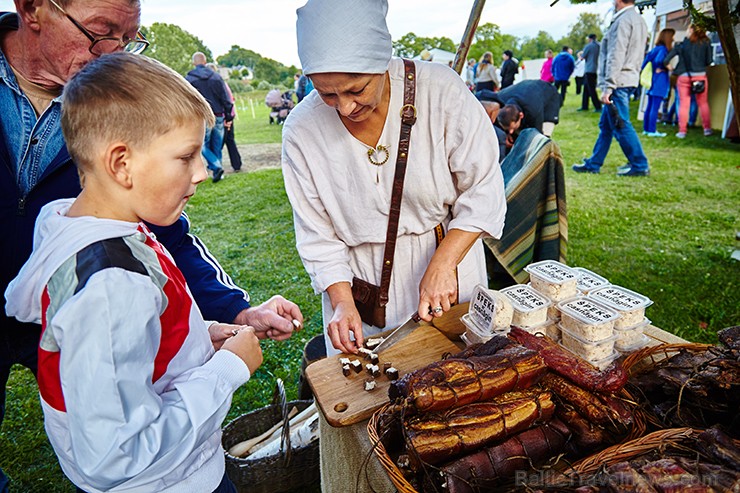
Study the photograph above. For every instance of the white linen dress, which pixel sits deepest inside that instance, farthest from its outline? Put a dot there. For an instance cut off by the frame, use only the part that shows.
(341, 201)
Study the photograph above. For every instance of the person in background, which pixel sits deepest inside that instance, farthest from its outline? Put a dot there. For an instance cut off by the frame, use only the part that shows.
(591, 58)
(211, 86)
(623, 49)
(41, 48)
(660, 85)
(229, 139)
(486, 74)
(133, 399)
(229, 142)
(694, 56)
(469, 74)
(302, 87)
(528, 104)
(509, 69)
(562, 68)
(546, 70)
(578, 72)
(340, 147)
(504, 141)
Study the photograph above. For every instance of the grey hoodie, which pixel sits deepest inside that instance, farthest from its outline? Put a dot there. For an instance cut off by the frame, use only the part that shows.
(622, 50)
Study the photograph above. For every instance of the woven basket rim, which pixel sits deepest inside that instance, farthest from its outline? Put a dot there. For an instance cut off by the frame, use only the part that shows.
(667, 349)
(390, 467)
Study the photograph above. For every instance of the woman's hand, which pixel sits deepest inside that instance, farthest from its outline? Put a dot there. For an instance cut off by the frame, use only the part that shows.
(437, 290)
(438, 287)
(346, 319)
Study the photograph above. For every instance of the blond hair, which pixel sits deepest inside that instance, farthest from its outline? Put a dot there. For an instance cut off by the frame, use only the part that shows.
(128, 98)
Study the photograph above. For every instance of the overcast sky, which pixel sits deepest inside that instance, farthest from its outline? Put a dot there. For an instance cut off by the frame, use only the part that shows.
(268, 26)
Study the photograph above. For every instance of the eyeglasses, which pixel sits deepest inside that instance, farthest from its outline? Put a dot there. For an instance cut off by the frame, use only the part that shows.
(101, 45)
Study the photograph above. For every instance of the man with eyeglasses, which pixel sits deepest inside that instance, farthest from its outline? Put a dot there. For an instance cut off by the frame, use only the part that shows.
(42, 45)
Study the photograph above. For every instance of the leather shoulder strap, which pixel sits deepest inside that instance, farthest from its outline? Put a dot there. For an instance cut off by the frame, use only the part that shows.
(408, 118)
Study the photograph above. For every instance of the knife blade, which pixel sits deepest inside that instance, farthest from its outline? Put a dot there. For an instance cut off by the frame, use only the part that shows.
(399, 333)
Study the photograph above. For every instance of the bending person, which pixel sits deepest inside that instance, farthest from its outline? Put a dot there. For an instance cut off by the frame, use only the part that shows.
(339, 150)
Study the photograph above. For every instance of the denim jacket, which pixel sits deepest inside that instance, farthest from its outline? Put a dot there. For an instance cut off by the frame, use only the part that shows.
(32, 142)
(46, 172)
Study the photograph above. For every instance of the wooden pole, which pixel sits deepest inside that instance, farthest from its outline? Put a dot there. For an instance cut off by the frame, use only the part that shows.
(467, 39)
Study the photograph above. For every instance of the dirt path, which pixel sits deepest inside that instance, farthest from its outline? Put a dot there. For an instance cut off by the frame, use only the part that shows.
(255, 156)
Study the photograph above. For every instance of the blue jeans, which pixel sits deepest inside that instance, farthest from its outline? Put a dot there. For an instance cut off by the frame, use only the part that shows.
(213, 144)
(650, 121)
(626, 136)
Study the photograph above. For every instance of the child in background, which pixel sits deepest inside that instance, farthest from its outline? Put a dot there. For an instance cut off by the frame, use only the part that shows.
(134, 383)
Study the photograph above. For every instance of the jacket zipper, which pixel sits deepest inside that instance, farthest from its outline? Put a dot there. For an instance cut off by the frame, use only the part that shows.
(22, 206)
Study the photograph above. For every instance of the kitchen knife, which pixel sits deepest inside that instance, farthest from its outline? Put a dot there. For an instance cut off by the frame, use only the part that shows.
(399, 333)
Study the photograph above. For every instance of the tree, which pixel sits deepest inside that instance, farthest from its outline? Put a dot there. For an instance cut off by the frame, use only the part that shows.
(724, 20)
(488, 37)
(239, 56)
(587, 23)
(262, 68)
(533, 48)
(173, 46)
(411, 45)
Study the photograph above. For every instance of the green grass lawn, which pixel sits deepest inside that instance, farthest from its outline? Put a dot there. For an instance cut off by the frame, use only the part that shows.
(252, 124)
(668, 236)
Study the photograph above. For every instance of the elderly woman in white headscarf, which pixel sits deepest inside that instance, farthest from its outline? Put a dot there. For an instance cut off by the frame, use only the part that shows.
(339, 149)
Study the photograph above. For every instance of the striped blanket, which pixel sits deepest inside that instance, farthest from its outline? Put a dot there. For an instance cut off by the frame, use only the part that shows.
(536, 220)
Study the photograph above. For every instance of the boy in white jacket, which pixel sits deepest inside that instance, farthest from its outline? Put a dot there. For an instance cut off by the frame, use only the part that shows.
(134, 383)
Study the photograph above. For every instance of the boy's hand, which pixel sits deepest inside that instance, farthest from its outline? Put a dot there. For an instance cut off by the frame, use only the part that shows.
(244, 343)
(220, 332)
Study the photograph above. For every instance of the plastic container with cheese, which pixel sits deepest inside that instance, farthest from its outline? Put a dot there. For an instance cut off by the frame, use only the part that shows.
(555, 280)
(530, 307)
(588, 280)
(587, 318)
(630, 305)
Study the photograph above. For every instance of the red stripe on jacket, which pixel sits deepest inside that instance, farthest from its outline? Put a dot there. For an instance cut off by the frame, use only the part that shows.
(175, 320)
(50, 383)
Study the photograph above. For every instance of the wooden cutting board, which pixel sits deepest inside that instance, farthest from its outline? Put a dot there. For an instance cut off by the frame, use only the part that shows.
(344, 400)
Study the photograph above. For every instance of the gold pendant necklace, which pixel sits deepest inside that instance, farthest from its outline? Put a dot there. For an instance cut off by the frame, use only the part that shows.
(374, 155)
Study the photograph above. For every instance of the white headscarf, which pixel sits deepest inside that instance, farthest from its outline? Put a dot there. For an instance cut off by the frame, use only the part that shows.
(348, 36)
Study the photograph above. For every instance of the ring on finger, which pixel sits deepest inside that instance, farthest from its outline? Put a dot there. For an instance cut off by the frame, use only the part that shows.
(437, 309)
(235, 331)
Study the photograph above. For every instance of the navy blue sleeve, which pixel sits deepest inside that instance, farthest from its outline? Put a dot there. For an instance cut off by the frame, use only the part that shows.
(219, 89)
(218, 297)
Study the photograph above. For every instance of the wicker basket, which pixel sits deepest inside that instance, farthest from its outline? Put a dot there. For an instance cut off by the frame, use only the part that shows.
(394, 473)
(290, 469)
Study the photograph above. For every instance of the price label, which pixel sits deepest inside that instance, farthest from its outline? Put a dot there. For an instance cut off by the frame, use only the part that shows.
(482, 309)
